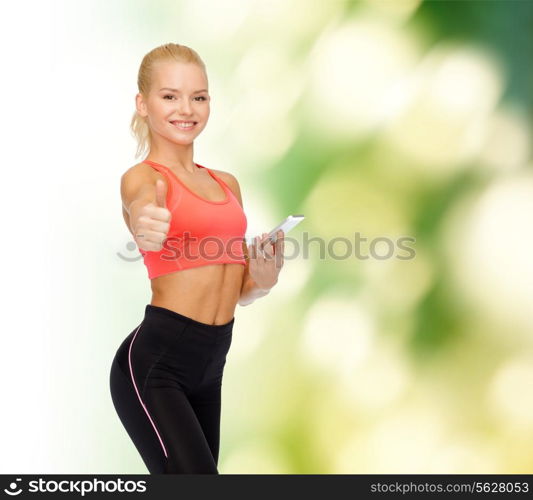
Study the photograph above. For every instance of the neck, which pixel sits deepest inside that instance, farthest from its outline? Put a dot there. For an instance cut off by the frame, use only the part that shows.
(176, 157)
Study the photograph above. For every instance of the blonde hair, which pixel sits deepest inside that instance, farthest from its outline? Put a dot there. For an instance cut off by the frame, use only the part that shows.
(167, 52)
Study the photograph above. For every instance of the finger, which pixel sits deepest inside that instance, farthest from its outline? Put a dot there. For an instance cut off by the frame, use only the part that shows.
(253, 249)
(152, 247)
(260, 240)
(160, 194)
(158, 226)
(268, 249)
(160, 213)
(148, 222)
(265, 242)
(279, 243)
(151, 236)
(156, 246)
(260, 257)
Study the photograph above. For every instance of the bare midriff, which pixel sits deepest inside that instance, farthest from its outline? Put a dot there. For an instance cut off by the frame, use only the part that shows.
(208, 293)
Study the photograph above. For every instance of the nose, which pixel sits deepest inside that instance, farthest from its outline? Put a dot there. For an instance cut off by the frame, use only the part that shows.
(184, 107)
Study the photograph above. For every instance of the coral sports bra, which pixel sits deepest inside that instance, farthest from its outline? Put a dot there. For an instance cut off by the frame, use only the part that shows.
(202, 232)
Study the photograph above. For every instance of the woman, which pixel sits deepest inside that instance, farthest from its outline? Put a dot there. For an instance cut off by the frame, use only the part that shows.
(189, 225)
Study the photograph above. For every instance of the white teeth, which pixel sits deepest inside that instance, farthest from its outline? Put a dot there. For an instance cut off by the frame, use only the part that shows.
(184, 124)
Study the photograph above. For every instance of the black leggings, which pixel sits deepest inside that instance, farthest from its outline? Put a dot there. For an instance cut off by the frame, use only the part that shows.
(165, 381)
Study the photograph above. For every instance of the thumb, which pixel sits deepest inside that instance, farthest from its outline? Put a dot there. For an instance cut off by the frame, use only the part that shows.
(160, 193)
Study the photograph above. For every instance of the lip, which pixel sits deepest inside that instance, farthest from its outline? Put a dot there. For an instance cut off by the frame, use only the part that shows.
(175, 124)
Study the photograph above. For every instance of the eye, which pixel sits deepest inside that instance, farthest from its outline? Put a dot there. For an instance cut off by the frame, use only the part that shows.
(170, 95)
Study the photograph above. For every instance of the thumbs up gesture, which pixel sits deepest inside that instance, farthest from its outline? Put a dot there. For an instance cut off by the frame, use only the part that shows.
(151, 221)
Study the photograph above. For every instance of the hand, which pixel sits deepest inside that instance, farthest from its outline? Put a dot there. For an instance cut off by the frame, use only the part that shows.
(265, 265)
(152, 221)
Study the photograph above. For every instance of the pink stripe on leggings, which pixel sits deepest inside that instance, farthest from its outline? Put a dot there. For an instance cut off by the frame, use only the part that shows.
(139, 396)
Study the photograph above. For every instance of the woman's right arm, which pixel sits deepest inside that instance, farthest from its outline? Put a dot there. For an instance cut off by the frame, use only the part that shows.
(137, 187)
(144, 207)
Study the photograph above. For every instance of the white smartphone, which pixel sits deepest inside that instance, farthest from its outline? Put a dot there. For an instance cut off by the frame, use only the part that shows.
(290, 222)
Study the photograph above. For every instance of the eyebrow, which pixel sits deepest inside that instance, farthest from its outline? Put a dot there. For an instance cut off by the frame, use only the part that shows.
(176, 90)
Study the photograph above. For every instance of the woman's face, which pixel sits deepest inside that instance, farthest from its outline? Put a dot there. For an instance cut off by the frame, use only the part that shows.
(179, 94)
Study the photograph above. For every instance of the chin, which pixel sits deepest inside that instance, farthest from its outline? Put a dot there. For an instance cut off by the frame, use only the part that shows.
(184, 142)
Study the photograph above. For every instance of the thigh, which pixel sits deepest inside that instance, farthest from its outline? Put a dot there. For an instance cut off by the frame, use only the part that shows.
(206, 399)
(206, 406)
(134, 419)
(185, 444)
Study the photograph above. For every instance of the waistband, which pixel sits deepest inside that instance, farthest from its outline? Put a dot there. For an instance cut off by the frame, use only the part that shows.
(167, 313)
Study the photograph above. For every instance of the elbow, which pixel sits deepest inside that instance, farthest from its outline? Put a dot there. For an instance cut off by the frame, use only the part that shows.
(242, 302)
(246, 299)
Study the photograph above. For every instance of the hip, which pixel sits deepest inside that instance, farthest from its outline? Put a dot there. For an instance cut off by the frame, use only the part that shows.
(174, 345)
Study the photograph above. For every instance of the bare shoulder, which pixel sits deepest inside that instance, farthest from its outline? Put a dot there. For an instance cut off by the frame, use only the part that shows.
(227, 177)
(141, 170)
(231, 181)
(136, 181)
(140, 174)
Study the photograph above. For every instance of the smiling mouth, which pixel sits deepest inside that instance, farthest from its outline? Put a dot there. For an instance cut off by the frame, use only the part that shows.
(182, 125)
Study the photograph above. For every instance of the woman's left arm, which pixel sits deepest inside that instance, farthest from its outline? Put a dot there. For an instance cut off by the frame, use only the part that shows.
(262, 268)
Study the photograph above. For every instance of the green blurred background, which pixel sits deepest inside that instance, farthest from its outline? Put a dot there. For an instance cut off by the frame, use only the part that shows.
(382, 118)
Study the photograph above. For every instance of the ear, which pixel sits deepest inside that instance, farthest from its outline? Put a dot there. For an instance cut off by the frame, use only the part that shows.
(140, 105)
